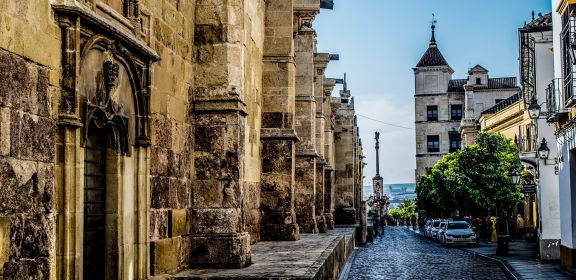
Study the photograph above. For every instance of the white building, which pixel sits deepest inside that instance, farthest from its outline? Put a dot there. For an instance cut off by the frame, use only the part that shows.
(564, 27)
(439, 104)
(537, 74)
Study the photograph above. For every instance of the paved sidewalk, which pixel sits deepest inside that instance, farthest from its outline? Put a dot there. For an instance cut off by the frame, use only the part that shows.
(522, 261)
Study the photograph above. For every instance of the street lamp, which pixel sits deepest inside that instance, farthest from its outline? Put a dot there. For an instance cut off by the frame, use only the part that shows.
(534, 108)
(543, 150)
(515, 177)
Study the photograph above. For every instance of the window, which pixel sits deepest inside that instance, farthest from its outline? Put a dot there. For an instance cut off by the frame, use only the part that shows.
(455, 144)
(456, 112)
(432, 113)
(433, 143)
(478, 81)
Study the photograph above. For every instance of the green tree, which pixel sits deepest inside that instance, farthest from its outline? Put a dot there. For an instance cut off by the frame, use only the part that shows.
(478, 176)
(487, 168)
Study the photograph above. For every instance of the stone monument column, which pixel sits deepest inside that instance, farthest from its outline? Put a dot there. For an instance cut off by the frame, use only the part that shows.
(305, 125)
(277, 134)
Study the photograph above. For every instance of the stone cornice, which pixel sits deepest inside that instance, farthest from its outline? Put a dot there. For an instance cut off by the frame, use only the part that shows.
(74, 8)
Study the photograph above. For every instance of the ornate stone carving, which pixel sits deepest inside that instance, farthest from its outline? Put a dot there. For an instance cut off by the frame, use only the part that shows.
(123, 50)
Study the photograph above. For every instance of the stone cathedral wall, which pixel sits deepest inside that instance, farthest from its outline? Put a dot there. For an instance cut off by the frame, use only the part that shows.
(29, 78)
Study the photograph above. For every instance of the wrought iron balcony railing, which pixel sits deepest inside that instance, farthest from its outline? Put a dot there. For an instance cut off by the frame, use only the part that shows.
(555, 100)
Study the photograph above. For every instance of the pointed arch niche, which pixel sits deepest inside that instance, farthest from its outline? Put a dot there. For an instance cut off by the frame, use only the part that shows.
(103, 148)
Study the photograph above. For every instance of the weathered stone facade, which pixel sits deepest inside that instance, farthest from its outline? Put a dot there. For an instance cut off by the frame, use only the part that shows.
(147, 137)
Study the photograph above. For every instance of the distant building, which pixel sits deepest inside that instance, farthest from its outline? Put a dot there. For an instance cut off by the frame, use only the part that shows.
(399, 192)
(447, 109)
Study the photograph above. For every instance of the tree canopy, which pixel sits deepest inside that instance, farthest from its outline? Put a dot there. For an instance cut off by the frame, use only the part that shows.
(477, 176)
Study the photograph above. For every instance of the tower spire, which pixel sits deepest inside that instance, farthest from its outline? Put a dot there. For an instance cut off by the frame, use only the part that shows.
(433, 39)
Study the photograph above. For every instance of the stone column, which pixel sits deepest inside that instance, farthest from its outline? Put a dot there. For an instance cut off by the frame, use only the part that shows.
(277, 134)
(328, 153)
(219, 114)
(305, 124)
(344, 159)
(321, 61)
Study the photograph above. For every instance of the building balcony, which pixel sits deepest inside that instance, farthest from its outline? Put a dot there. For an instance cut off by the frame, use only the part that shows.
(555, 101)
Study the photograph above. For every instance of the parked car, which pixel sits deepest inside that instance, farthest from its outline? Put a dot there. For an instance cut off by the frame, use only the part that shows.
(440, 230)
(434, 229)
(458, 232)
(427, 225)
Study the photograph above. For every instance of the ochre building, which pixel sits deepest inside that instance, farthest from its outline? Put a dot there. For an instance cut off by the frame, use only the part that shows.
(144, 137)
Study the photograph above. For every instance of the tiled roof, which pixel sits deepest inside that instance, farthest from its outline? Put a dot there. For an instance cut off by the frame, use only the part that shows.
(457, 85)
(503, 104)
(432, 57)
(543, 22)
(497, 83)
(493, 83)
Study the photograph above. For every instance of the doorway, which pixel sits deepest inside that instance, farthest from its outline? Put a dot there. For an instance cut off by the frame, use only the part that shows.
(95, 205)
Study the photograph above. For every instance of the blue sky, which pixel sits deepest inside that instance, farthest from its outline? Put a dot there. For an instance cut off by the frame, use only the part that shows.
(379, 41)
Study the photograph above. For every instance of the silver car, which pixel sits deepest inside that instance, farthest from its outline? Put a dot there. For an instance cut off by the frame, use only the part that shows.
(434, 229)
(458, 232)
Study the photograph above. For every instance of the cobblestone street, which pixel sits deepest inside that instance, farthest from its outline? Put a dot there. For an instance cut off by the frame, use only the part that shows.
(401, 254)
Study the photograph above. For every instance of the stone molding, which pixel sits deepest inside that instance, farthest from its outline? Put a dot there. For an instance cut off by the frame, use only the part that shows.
(307, 153)
(279, 134)
(305, 98)
(279, 59)
(204, 106)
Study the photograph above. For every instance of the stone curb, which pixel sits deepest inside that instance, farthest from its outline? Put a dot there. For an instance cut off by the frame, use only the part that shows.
(346, 269)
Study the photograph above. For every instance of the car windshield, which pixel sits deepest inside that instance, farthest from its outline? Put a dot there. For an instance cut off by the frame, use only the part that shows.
(458, 226)
(436, 224)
